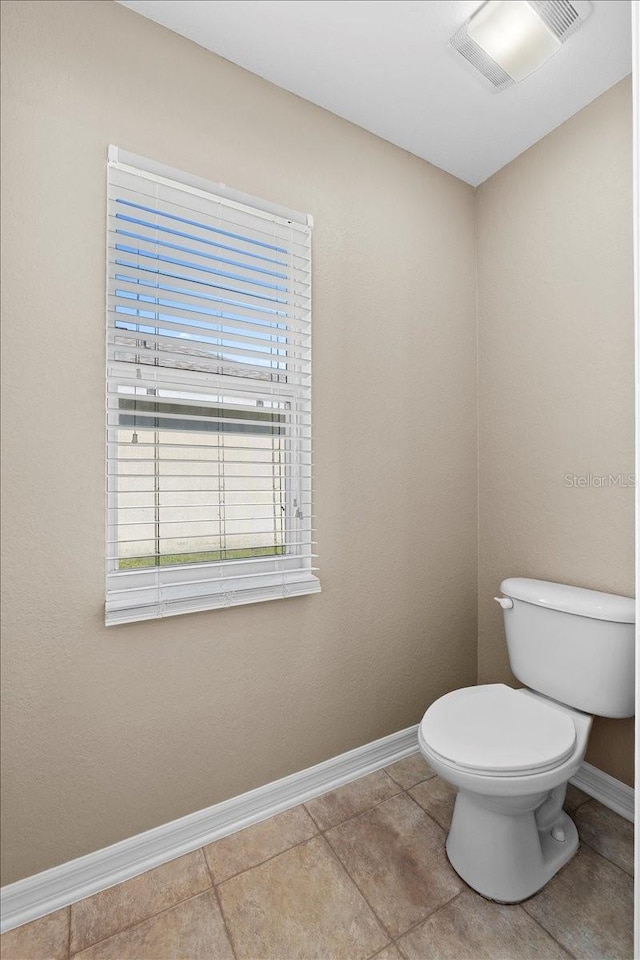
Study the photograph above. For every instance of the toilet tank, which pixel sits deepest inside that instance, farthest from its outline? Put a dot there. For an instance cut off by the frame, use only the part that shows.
(574, 645)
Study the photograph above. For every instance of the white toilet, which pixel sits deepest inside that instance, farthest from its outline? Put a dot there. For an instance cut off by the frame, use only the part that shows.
(511, 753)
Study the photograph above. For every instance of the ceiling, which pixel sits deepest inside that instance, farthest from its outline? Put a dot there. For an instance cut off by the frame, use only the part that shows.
(386, 66)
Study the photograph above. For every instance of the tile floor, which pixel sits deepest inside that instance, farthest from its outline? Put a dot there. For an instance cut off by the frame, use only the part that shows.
(355, 874)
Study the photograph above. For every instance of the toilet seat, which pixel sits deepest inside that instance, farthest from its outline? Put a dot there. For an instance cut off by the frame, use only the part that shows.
(495, 730)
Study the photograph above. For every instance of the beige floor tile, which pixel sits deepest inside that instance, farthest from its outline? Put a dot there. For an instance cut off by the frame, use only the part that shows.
(301, 904)
(471, 928)
(588, 908)
(437, 797)
(574, 798)
(395, 853)
(43, 939)
(258, 843)
(410, 771)
(193, 930)
(332, 808)
(607, 832)
(110, 911)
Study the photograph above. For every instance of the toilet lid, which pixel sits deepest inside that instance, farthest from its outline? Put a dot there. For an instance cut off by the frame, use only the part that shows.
(495, 729)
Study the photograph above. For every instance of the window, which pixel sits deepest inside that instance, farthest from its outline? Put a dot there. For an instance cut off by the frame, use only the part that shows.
(208, 396)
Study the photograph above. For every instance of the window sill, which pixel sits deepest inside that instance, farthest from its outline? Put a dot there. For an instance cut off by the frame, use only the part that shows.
(117, 611)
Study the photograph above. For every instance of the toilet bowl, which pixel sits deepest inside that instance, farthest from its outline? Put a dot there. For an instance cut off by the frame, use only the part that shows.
(511, 752)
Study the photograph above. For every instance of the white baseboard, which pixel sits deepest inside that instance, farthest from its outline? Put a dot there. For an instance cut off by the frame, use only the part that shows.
(609, 791)
(45, 892)
(53, 889)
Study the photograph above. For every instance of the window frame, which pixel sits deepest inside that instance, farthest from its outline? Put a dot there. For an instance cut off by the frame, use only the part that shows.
(193, 585)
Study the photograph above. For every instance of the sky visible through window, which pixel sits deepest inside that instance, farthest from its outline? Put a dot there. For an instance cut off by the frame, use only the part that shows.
(161, 265)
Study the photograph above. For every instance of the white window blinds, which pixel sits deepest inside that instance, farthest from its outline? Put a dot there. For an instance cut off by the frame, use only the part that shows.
(208, 396)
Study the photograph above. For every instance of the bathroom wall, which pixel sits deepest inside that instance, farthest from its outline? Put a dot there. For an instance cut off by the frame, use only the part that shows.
(108, 732)
(555, 295)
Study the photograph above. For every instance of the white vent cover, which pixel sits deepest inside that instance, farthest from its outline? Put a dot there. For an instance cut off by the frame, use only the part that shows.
(562, 17)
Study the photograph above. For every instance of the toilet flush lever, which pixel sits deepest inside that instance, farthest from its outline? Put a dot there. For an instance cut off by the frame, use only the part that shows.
(505, 602)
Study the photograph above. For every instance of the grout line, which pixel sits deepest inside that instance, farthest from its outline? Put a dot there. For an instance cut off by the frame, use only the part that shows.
(524, 903)
(408, 790)
(548, 932)
(467, 889)
(69, 936)
(432, 818)
(319, 832)
(322, 834)
(396, 944)
(428, 917)
(586, 843)
(428, 780)
(387, 770)
(382, 950)
(399, 949)
(383, 925)
(130, 926)
(224, 919)
(311, 815)
(208, 868)
(203, 855)
(347, 871)
(359, 813)
(417, 784)
(218, 883)
(142, 919)
(602, 857)
(378, 952)
(366, 899)
(581, 803)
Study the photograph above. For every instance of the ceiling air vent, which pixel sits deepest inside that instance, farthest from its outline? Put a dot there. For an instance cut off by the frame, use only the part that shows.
(506, 40)
(560, 16)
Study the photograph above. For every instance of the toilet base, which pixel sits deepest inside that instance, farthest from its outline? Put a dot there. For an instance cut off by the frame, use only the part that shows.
(508, 848)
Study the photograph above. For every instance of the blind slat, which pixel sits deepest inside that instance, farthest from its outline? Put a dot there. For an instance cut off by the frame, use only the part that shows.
(227, 312)
(132, 579)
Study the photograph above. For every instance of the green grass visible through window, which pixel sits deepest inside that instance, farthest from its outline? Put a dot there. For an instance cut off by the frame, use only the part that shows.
(133, 563)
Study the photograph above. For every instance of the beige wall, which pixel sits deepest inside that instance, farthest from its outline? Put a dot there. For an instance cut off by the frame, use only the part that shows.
(110, 732)
(556, 375)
